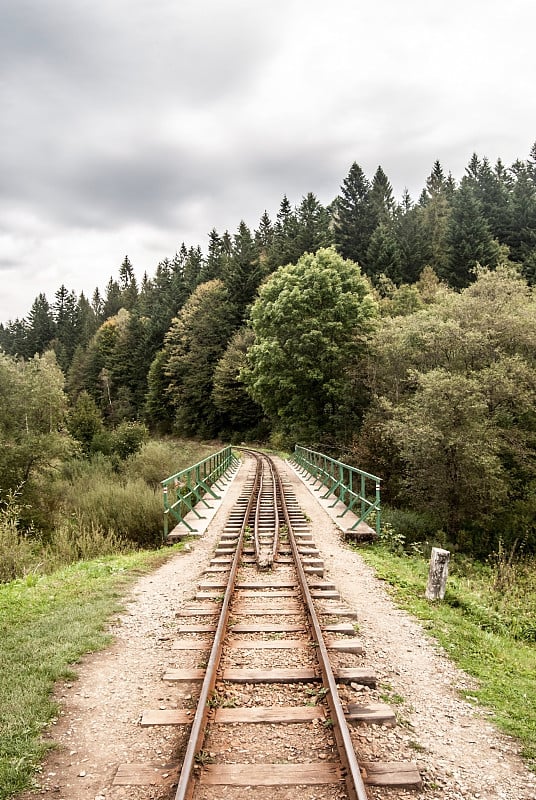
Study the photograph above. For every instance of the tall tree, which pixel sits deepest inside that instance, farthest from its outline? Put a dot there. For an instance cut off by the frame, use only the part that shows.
(213, 265)
(284, 248)
(521, 237)
(239, 411)
(242, 273)
(41, 327)
(194, 344)
(65, 311)
(435, 206)
(381, 200)
(468, 239)
(410, 238)
(309, 321)
(192, 267)
(112, 301)
(313, 226)
(128, 284)
(383, 255)
(354, 219)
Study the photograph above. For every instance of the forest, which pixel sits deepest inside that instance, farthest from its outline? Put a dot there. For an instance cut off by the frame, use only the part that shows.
(398, 336)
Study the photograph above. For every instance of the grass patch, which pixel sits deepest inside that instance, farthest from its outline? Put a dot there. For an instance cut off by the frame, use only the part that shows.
(485, 627)
(47, 622)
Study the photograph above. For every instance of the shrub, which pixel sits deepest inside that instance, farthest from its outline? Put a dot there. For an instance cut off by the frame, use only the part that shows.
(16, 549)
(128, 437)
(159, 458)
(129, 508)
(74, 540)
(410, 526)
(155, 461)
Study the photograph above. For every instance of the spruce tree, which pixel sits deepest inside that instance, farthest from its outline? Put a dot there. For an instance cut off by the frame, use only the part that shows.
(313, 226)
(284, 248)
(353, 221)
(41, 327)
(468, 239)
(128, 284)
(383, 255)
(381, 198)
(213, 264)
(242, 273)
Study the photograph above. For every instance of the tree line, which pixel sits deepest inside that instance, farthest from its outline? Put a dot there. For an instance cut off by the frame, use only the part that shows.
(398, 335)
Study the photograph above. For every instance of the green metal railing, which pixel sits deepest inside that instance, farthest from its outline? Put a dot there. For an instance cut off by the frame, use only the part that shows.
(358, 490)
(184, 490)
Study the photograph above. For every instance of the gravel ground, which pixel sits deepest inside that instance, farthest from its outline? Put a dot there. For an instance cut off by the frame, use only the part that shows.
(460, 754)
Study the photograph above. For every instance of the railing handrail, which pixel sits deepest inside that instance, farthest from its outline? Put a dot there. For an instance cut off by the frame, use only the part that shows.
(190, 485)
(339, 463)
(339, 479)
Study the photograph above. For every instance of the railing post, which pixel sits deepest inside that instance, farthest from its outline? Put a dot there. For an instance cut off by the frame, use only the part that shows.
(378, 509)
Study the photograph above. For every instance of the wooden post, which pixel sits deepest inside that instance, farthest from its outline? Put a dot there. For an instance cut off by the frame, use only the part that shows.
(437, 575)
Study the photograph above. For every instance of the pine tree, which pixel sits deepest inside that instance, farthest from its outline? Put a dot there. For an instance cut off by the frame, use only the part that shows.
(353, 217)
(87, 321)
(242, 273)
(65, 310)
(98, 306)
(264, 240)
(383, 256)
(214, 263)
(128, 284)
(194, 344)
(192, 267)
(469, 240)
(41, 328)
(435, 216)
(381, 198)
(521, 237)
(494, 196)
(284, 249)
(313, 226)
(112, 302)
(410, 239)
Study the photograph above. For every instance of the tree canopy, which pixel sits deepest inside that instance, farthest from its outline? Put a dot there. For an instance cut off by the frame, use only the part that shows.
(309, 322)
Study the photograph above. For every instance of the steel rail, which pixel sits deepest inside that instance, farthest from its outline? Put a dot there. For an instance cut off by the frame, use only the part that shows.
(275, 500)
(352, 774)
(197, 733)
(258, 504)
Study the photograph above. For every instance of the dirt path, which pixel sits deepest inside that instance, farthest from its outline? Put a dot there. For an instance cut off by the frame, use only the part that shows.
(460, 755)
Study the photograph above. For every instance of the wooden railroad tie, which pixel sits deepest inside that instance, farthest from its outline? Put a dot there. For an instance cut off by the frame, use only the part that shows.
(373, 713)
(360, 675)
(394, 774)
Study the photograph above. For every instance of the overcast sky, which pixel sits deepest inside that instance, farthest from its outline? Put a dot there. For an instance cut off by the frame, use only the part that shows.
(129, 126)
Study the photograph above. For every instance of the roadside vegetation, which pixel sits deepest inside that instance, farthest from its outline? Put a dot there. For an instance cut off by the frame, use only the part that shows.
(486, 625)
(90, 507)
(61, 582)
(47, 623)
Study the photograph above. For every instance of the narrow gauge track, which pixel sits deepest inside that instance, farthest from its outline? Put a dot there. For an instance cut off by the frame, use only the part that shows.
(277, 724)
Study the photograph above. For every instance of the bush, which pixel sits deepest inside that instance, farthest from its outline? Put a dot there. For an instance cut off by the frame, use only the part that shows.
(159, 458)
(129, 508)
(16, 549)
(128, 437)
(411, 526)
(155, 461)
(74, 541)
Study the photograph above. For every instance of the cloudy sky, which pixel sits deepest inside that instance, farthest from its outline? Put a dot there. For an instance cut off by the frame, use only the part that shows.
(129, 126)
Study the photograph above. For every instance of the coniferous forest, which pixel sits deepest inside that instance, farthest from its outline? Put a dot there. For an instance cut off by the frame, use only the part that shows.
(396, 335)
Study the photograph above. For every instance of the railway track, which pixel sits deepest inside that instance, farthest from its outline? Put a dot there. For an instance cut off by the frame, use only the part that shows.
(269, 643)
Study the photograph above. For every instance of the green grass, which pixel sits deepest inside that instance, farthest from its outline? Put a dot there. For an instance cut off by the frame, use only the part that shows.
(46, 624)
(485, 624)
